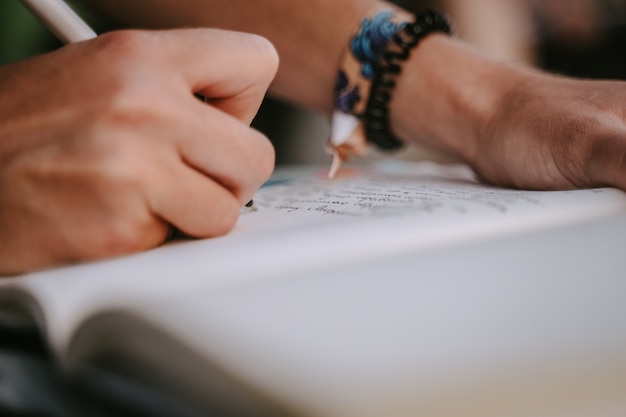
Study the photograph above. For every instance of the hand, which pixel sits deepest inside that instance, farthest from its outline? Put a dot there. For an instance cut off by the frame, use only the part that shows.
(103, 145)
(515, 126)
(556, 133)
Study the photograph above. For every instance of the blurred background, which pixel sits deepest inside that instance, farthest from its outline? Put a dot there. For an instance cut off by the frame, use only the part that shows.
(583, 38)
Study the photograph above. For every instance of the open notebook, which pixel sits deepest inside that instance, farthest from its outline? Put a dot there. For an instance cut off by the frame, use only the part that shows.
(327, 301)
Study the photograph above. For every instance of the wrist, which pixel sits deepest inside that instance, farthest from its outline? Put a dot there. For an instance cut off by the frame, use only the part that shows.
(446, 95)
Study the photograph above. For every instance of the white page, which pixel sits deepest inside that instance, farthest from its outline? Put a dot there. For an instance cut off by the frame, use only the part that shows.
(517, 326)
(305, 222)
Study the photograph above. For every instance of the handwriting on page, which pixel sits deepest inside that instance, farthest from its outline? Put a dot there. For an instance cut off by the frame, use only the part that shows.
(392, 196)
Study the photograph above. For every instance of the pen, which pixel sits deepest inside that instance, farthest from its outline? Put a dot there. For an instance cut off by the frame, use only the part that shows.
(61, 20)
(67, 26)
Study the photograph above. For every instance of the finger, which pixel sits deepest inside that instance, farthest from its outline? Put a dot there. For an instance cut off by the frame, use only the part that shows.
(232, 70)
(226, 150)
(194, 204)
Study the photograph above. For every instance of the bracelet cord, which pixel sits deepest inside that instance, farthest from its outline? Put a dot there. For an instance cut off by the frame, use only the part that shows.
(376, 116)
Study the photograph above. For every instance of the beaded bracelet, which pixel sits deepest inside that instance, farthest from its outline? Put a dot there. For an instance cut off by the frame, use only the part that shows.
(367, 77)
(376, 116)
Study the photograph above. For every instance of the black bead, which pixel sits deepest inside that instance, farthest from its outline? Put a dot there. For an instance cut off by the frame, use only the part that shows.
(382, 97)
(386, 80)
(376, 112)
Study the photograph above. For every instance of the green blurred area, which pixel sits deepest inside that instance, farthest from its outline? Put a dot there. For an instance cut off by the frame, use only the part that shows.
(21, 35)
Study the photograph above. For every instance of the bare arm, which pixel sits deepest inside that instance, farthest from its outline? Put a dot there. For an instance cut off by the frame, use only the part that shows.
(514, 125)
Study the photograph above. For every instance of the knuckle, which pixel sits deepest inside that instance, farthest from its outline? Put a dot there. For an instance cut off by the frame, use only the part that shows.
(226, 220)
(266, 52)
(266, 159)
(127, 86)
(260, 161)
(127, 101)
(122, 236)
(123, 45)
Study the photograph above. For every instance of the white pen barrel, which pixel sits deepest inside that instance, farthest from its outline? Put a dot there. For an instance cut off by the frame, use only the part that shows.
(62, 21)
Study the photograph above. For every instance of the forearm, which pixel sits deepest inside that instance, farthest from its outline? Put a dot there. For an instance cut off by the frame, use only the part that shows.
(447, 93)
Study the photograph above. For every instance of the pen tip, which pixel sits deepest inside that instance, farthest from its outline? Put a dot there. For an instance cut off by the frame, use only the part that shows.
(336, 164)
(250, 206)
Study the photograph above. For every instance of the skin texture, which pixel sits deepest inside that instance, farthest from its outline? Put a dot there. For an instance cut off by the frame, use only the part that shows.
(99, 157)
